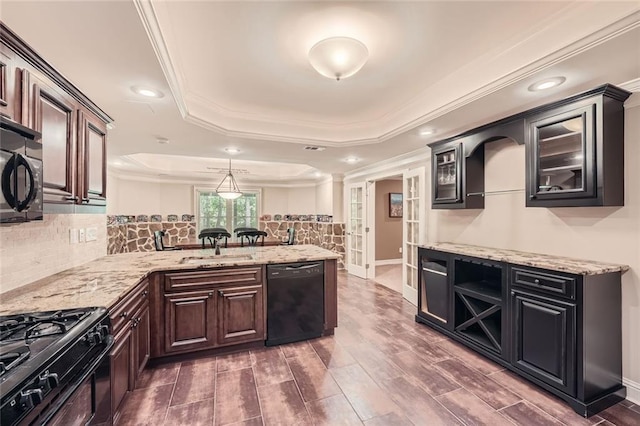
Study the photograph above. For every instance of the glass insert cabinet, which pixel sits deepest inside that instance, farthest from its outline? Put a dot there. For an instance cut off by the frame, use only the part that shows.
(447, 174)
(575, 151)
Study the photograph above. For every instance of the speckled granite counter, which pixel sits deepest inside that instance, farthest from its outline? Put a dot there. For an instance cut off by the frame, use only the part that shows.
(104, 281)
(536, 260)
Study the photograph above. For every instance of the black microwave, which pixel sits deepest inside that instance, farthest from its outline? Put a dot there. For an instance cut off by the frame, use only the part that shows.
(20, 173)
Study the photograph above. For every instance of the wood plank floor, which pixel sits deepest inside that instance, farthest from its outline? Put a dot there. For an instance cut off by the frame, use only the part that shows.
(380, 368)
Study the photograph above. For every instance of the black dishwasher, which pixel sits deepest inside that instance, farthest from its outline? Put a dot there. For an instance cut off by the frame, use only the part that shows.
(295, 302)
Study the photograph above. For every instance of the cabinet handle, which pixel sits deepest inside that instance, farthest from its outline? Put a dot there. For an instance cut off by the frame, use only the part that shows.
(210, 294)
(73, 198)
(85, 200)
(221, 293)
(513, 293)
(532, 197)
(144, 293)
(124, 314)
(537, 281)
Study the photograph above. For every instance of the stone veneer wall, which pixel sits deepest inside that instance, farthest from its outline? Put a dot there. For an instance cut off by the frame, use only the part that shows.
(138, 236)
(326, 235)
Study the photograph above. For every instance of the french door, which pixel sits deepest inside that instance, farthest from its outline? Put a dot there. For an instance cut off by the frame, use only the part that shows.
(414, 229)
(356, 233)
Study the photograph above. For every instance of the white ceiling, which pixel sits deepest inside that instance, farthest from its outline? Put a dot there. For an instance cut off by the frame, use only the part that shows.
(237, 74)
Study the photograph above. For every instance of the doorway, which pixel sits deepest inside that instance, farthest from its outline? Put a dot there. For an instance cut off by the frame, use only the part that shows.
(387, 217)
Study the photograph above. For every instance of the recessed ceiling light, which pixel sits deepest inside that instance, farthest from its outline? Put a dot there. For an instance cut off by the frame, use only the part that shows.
(232, 150)
(147, 92)
(426, 132)
(547, 84)
(317, 174)
(352, 160)
(162, 141)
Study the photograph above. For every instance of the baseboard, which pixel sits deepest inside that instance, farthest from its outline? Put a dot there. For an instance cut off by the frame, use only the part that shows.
(633, 390)
(389, 262)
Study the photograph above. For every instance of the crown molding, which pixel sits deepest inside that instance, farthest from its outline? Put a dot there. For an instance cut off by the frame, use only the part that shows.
(149, 20)
(391, 166)
(141, 177)
(229, 123)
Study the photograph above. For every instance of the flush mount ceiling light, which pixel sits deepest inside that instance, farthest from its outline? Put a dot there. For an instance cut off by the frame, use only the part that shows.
(352, 160)
(228, 188)
(162, 141)
(547, 83)
(147, 92)
(338, 57)
(231, 150)
(426, 132)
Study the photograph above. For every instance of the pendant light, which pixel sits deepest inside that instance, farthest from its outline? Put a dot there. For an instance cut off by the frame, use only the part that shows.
(228, 188)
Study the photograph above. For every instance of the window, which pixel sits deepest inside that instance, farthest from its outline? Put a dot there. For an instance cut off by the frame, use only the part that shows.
(213, 211)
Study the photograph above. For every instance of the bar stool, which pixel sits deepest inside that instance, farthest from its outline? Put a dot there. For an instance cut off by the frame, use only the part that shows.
(158, 240)
(252, 237)
(213, 235)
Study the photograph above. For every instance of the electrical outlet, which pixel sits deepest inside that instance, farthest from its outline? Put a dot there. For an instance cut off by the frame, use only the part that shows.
(400, 250)
(91, 234)
(81, 235)
(73, 236)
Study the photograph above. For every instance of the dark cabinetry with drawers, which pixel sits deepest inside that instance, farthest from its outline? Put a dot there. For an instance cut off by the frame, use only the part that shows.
(560, 330)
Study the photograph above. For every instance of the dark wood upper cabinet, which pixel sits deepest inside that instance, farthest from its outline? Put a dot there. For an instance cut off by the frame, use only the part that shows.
(54, 116)
(73, 128)
(92, 150)
(457, 164)
(8, 84)
(575, 151)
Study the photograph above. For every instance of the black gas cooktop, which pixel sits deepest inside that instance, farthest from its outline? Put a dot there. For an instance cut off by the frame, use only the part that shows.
(43, 352)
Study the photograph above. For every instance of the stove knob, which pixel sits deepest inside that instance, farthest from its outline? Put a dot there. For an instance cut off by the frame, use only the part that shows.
(48, 381)
(94, 337)
(31, 398)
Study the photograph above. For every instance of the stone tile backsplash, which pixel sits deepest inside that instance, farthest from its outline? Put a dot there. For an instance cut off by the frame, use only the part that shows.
(34, 250)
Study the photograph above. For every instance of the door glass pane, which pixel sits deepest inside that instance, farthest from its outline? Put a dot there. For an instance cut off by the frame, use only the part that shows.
(446, 175)
(561, 158)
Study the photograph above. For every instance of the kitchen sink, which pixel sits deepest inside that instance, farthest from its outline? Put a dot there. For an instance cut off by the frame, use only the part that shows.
(205, 260)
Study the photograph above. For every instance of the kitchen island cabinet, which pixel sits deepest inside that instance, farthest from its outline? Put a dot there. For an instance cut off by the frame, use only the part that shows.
(554, 321)
(174, 303)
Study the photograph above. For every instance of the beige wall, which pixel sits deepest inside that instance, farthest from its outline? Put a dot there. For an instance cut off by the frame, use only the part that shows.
(388, 229)
(610, 234)
(34, 250)
(125, 196)
(324, 198)
(137, 197)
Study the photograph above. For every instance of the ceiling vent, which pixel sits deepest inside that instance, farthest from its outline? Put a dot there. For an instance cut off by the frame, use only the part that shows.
(314, 148)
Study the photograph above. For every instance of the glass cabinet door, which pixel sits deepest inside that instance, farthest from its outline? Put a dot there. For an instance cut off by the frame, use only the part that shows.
(563, 155)
(446, 175)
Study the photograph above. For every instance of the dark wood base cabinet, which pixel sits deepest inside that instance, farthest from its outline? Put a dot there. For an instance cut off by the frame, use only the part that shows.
(131, 350)
(559, 330)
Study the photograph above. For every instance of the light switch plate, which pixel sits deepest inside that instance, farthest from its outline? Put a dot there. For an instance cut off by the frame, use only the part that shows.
(92, 234)
(81, 235)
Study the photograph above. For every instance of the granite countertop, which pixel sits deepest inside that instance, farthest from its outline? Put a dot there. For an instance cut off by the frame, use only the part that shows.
(537, 260)
(104, 281)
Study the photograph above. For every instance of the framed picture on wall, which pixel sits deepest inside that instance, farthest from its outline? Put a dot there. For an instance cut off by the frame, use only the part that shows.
(395, 204)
